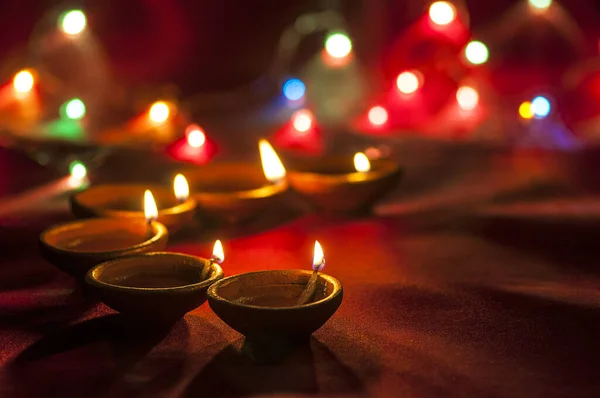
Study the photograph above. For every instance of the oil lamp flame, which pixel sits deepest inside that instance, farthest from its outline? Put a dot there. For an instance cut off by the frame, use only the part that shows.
(181, 188)
(218, 255)
(361, 162)
(318, 257)
(272, 166)
(150, 209)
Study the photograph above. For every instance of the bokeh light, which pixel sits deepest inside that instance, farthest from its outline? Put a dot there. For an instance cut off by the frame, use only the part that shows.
(525, 110)
(442, 13)
(77, 170)
(294, 89)
(74, 109)
(23, 81)
(195, 136)
(73, 22)
(467, 98)
(338, 45)
(540, 4)
(540, 106)
(476, 53)
(407, 82)
(302, 120)
(378, 115)
(159, 112)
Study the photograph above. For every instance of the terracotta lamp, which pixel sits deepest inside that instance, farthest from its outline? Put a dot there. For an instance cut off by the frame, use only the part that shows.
(77, 246)
(235, 192)
(338, 185)
(155, 288)
(124, 201)
(279, 305)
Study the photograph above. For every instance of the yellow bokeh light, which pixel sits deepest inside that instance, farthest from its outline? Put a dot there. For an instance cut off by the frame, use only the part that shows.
(159, 112)
(525, 110)
(23, 81)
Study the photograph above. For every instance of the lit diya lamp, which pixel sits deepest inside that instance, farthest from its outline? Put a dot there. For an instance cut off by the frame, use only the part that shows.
(77, 246)
(337, 185)
(156, 288)
(235, 192)
(175, 207)
(279, 305)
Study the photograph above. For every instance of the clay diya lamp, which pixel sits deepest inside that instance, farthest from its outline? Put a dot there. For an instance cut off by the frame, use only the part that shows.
(77, 246)
(334, 185)
(154, 288)
(124, 201)
(277, 306)
(235, 192)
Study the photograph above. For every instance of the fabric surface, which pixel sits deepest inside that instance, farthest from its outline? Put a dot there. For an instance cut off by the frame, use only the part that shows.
(461, 307)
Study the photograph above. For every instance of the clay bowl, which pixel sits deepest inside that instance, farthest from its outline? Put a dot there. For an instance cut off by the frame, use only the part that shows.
(333, 185)
(77, 246)
(262, 305)
(155, 288)
(233, 192)
(127, 201)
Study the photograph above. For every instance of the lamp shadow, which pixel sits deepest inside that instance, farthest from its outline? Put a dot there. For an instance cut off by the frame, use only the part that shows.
(99, 356)
(234, 373)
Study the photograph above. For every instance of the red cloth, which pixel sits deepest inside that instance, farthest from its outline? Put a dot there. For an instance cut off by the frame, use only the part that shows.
(428, 311)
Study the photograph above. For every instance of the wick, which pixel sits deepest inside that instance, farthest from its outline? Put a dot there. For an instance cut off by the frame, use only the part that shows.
(208, 267)
(150, 230)
(311, 287)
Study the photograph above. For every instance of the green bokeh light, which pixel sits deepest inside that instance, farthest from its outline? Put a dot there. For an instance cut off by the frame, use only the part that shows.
(77, 169)
(74, 109)
(338, 45)
(73, 22)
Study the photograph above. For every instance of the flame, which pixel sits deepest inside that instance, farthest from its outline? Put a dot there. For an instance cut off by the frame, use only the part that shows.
(272, 166)
(218, 255)
(181, 188)
(318, 257)
(361, 162)
(150, 209)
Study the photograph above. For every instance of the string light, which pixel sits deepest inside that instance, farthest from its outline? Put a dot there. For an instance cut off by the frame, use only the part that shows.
(159, 112)
(294, 89)
(525, 110)
(195, 136)
(540, 4)
(74, 109)
(467, 98)
(407, 82)
(378, 115)
(476, 53)
(338, 45)
(442, 13)
(73, 22)
(540, 106)
(78, 170)
(302, 120)
(23, 81)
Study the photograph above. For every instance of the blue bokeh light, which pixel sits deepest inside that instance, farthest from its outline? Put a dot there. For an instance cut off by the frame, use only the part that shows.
(294, 89)
(540, 107)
